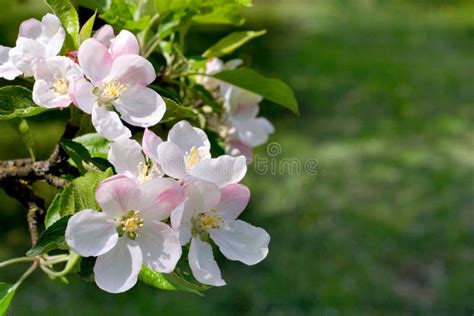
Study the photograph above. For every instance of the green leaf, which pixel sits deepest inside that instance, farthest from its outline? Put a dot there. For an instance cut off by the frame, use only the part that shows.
(155, 279)
(69, 19)
(51, 238)
(181, 284)
(223, 14)
(100, 5)
(7, 291)
(175, 111)
(86, 30)
(79, 194)
(86, 268)
(15, 102)
(76, 151)
(53, 212)
(121, 15)
(272, 89)
(97, 145)
(231, 42)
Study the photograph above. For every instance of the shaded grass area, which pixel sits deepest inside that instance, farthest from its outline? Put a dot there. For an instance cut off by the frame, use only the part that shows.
(386, 226)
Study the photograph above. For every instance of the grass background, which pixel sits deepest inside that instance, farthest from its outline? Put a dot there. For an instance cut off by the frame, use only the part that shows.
(385, 227)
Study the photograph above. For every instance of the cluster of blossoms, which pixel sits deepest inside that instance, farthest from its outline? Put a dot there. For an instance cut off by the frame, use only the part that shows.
(166, 194)
(239, 126)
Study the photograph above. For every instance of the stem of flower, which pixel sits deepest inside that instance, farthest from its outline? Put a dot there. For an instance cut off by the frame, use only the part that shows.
(73, 258)
(16, 260)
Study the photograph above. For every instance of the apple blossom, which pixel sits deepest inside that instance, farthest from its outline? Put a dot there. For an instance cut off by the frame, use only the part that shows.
(210, 212)
(128, 232)
(119, 84)
(53, 76)
(37, 39)
(125, 43)
(126, 155)
(186, 155)
(7, 69)
(213, 66)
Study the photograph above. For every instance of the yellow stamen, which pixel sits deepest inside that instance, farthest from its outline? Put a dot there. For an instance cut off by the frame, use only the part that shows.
(109, 91)
(61, 86)
(130, 223)
(205, 221)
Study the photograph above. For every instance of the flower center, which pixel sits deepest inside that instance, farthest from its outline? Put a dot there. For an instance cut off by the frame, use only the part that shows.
(109, 91)
(194, 156)
(205, 221)
(129, 224)
(147, 172)
(61, 86)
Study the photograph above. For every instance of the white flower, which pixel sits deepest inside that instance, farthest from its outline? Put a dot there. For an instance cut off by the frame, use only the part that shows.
(128, 232)
(127, 157)
(186, 155)
(119, 84)
(37, 39)
(125, 43)
(212, 212)
(7, 69)
(53, 76)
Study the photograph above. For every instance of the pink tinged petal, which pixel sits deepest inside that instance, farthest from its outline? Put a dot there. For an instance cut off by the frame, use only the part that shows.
(246, 111)
(132, 70)
(124, 44)
(140, 106)
(52, 34)
(105, 35)
(240, 241)
(7, 69)
(45, 96)
(234, 199)
(30, 28)
(202, 263)
(25, 53)
(117, 270)
(126, 156)
(202, 195)
(171, 160)
(108, 124)
(254, 132)
(90, 233)
(236, 148)
(223, 170)
(80, 92)
(181, 221)
(159, 197)
(95, 60)
(150, 144)
(186, 136)
(160, 246)
(117, 195)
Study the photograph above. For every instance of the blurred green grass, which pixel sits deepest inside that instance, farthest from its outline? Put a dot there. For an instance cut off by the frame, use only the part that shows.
(386, 226)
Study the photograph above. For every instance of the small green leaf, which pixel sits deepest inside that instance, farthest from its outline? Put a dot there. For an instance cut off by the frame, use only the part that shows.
(121, 15)
(181, 284)
(100, 5)
(7, 291)
(231, 42)
(97, 145)
(52, 214)
(79, 194)
(155, 279)
(69, 19)
(76, 151)
(175, 111)
(51, 238)
(86, 30)
(15, 102)
(272, 89)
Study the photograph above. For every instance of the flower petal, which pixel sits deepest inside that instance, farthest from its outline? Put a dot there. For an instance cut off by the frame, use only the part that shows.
(95, 60)
(108, 124)
(91, 233)
(52, 34)
(202, 263)
(80, 92)
(105, 35)
(30, 28)
(126, 156)
(186, 136)
(236, 148)
(132, 70)
(240, 241)
(223, 170)
(160, 246)
(25, 53)
(234, 199)
(124, 44)
(140, 106)
(117, 271)
(202, 195)
(253, 132)
(181, 221)
(171, 160)
(117, 195)
(159, 197)
(7, 69)
(45, 96)
(150, 144)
